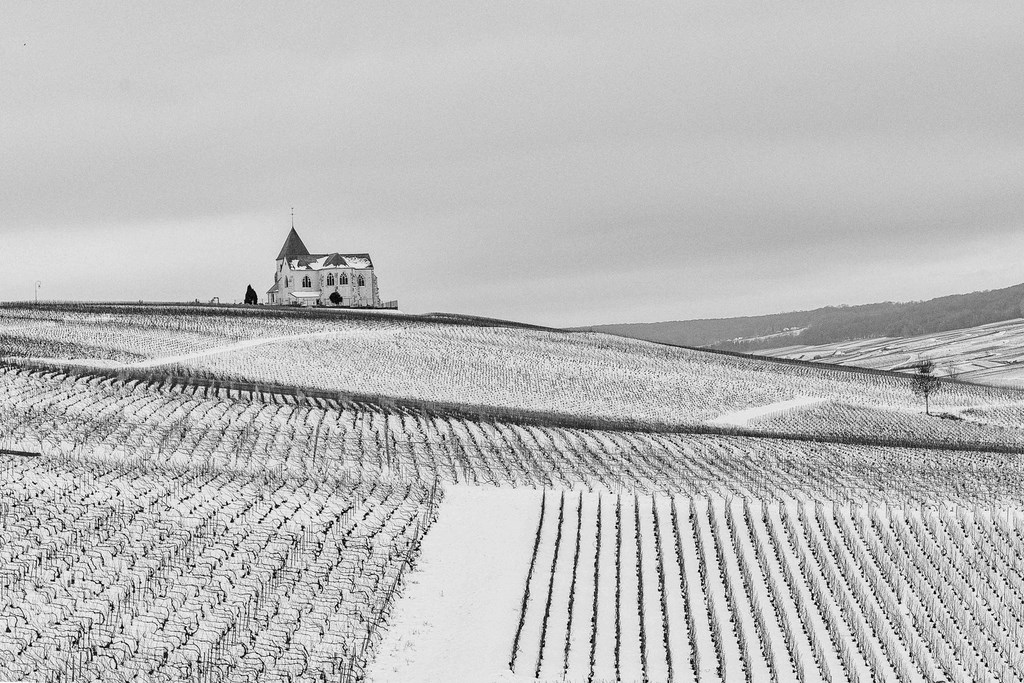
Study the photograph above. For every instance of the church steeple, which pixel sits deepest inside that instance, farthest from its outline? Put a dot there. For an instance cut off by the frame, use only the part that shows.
(293, 246)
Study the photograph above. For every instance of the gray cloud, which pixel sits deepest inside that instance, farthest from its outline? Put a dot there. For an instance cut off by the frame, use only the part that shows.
(556, 163)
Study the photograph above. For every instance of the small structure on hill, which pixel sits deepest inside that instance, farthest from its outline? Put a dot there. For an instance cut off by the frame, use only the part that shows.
(305, 279)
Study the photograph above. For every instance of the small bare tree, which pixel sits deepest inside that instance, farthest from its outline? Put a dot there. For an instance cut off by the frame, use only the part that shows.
(925, 383)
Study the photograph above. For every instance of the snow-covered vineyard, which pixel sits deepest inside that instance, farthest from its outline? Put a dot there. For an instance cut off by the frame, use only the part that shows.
(582, 374)
(117, 572)
(210, 503)
(71, 415)
(988, 353)
(672, 588)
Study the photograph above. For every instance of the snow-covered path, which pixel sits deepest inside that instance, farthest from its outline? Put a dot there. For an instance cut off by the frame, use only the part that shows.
(213, 351)
(740, 418)
(237, 346)
(457, 617)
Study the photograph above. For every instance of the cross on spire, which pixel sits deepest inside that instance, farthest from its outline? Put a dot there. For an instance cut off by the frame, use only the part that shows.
(293, 217)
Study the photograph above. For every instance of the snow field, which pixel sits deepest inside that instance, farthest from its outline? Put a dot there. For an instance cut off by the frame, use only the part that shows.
(761, 590)
(901, 577)
(576, 373)
(459, 611)
(986, 353)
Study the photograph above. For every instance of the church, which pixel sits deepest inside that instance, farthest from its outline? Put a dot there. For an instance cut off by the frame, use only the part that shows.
(305, 279)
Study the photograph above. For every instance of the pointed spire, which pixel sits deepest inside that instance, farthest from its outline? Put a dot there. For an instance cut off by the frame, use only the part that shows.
(293, 245)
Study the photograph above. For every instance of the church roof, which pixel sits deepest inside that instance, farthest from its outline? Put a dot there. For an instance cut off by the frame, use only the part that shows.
(274, 289)
(325, 261)
(293, 246)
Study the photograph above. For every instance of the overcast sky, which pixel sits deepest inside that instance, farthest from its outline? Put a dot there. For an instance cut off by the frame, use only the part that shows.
(557, 162)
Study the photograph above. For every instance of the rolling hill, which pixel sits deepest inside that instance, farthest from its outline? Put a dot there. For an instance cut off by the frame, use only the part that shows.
(202, 493)
(834, 323)
(991, 354)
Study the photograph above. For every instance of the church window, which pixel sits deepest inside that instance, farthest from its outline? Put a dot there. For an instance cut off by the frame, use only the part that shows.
(361, 281)
(306, 282)
(344, 279)
(330, 279)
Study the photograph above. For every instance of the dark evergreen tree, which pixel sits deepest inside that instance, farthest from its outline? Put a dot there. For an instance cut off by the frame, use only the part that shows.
(250, 296)
(335, 298)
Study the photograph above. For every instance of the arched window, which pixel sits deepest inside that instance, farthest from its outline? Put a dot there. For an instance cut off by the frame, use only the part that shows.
(361, 281)
(306, 282)
(330, 279)
(344, 279)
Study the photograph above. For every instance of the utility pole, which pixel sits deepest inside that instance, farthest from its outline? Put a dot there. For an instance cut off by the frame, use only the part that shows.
(38, 285)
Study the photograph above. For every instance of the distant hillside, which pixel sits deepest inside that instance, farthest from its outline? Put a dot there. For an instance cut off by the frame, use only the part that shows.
(833, 323)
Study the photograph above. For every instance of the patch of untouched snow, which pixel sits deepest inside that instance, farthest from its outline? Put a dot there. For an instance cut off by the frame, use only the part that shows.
(741, 418)
(457, 617)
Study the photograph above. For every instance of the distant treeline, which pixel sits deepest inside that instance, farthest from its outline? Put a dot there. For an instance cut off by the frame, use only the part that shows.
(834, 323)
